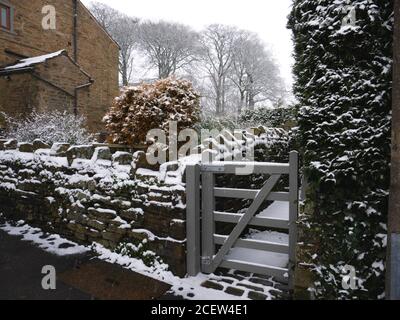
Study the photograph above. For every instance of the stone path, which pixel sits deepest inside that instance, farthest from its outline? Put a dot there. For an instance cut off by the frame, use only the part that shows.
(247, 285)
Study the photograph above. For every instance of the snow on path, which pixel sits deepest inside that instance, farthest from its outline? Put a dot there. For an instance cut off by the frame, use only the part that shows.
(188, 288)
(50, 243)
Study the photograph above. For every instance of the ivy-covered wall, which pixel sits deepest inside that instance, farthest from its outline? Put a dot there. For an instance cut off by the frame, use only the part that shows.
(343, 74)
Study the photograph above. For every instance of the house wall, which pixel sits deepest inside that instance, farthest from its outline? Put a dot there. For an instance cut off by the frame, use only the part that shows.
(98, 54)
(63, 73)
(40, 95)
(23, 97)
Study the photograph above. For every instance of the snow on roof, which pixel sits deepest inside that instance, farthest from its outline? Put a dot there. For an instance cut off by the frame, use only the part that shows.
(24, 63)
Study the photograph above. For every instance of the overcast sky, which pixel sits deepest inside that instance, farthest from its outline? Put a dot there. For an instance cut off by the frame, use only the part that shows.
(268, 18)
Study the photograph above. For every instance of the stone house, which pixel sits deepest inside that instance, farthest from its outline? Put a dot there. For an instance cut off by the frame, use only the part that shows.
(69, 65)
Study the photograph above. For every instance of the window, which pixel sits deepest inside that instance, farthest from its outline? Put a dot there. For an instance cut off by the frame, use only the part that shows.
(5, 17)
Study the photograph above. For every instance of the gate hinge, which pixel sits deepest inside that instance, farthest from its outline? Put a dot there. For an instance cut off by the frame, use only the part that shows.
(213, 168)
(206, 261)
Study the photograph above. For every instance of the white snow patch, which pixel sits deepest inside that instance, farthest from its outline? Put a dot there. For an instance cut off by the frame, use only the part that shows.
(49, 244)
(35, 60)
(277, 210)
(263, 257)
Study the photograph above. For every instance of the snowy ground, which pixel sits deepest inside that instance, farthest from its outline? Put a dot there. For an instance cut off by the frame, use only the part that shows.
(278, 210)
(53, 244)
(263, 257)
(188, 288)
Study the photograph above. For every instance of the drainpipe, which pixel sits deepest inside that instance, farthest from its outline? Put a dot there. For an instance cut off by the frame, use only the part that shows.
(75, 31)
(76, 94)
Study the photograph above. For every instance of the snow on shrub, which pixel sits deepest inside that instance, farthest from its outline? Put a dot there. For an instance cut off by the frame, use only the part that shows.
(152, 106)
(211, 122)
(50, 127)
(270, 117)
(139, 251)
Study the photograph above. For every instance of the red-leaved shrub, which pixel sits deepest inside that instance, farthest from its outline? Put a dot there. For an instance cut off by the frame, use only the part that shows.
(145, 107)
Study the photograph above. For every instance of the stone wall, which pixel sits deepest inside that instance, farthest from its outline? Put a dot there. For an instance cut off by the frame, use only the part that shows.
(63, 73)
(97, 53)
(87, 194)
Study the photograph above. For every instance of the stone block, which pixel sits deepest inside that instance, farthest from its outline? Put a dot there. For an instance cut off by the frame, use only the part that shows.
(26, 147)
(102, 153)
(137, 235)
(2, 142)
(254, 288)
(234, 291)
(39, 144)
(60, 149)
(80, 152)
(177, 229)
(97, 225)
(117, 229)
(253, 295)
(11, 144)
(111, 236)
(212, 285)
(121, 204)
(263, 282)
(102, 214)
(140, 161)
(133, 216)
(122, 158)
(92, 234)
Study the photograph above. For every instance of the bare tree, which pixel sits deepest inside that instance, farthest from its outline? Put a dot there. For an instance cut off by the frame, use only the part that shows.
(125, 33)
(238, 74)
(218, 46)
(104, 14)
(124, 30)
(265, 82)
(169, 47)
(254, 72)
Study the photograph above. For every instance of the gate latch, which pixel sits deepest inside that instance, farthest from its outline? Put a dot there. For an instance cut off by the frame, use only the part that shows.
(206, 261)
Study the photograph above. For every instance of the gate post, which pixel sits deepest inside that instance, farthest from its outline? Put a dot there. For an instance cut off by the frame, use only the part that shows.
(293, 214)
(208, 224)
(193, 219)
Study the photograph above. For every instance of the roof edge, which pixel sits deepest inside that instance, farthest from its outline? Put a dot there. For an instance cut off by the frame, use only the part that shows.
(99, 24)
(29, 67)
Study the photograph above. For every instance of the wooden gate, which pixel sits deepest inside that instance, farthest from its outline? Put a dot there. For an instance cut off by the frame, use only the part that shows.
(202, 217)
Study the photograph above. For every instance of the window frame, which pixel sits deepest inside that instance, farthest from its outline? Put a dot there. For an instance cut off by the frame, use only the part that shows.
(9, 16)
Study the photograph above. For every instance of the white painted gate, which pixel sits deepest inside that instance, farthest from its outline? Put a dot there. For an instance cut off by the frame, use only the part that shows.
(202, 255)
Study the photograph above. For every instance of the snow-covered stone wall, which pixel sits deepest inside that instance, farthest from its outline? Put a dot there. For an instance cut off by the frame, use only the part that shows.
(88, 194)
